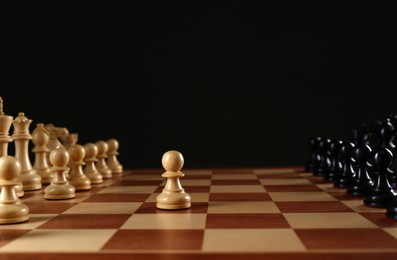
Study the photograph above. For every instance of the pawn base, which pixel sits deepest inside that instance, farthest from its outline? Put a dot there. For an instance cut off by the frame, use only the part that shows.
(19, 190)
(30, 180)
(46, 176)
(116, 169)
(94, 177)
(59, 192)
(99, 181)
(13, 213)
(358, 189)
(106, 174)
(173, 200)
(81, 183)
(379, 199)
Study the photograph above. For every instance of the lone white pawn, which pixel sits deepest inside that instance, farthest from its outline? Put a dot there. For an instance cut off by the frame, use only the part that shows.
(173, 195)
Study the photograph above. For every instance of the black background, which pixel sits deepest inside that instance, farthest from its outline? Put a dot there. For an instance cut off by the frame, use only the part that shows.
(228, 85)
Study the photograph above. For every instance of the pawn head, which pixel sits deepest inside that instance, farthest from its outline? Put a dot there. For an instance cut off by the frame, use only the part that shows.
(382, 159)
(102, 147)
(59, 157)
(76, 152)
(172, 161)
(10, 168)
(113, 144)
(91, 150)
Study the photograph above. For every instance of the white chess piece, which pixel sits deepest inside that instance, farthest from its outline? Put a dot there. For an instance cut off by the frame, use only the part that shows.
(76, 174)
(12, 210)
(112, 162)
(90, 170)
(29, 178)
(40, 139)
(173, 195)
(5, 138)
(101, 156)
(60, 188)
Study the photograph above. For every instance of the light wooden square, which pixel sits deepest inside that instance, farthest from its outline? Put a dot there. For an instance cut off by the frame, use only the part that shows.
(236, 188)
(60, 240)
(251, 240)
(328, 220)
(301, 196)
(243, 207)
(165, 221)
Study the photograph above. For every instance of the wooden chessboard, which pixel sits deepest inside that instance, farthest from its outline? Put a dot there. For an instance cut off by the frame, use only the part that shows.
(247, 213)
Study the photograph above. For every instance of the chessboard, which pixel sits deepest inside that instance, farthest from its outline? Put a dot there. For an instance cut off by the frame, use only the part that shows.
(247, 213)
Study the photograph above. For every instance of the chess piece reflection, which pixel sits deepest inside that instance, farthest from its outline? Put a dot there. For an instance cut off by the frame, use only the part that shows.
(173, 195)
(12, 210)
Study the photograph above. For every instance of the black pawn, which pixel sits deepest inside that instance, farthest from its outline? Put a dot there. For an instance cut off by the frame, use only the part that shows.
(325, 164)
(311, 162)
(319, 149)
(347, 174)
(335, 160)
(361, 183)
(381, 192)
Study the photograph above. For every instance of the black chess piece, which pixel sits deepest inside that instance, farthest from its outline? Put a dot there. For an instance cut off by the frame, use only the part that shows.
(363, 134)
(392, 119)
(374, 129)
(387, 135)
(335, 165)
(361, 183)
(382, 137)
(311, 162)
(319, 150)
(345, 177)
(381, 192)
(325, 163)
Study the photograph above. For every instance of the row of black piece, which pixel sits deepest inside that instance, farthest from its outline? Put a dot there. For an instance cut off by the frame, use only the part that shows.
(365, 165)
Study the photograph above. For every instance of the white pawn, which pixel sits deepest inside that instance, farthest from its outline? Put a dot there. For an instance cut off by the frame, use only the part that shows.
(59, 188)
(76, 174)
(5, 138)
(90, 170)
(173, 195)
(112, 162)
(101, 163)
(12, 210)
(40, 139)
